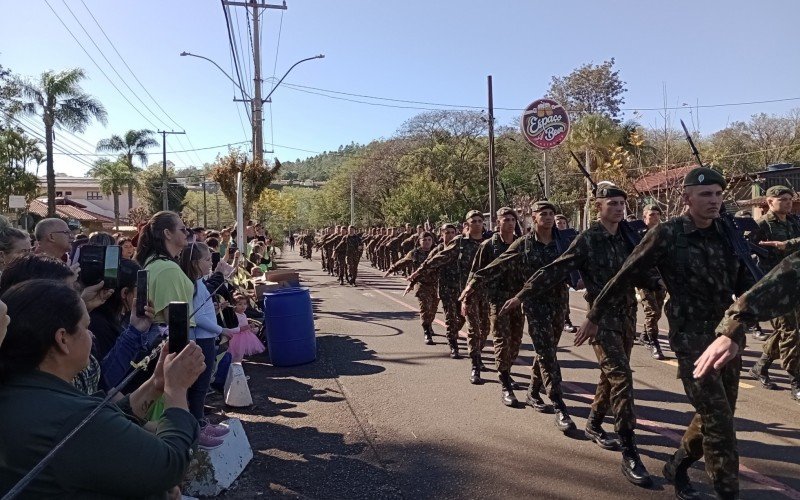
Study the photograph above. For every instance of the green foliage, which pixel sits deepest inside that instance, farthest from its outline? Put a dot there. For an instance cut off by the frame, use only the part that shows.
(150, 188)
(319, 167)
(255, 177)
(218, 215)
(590, 89)
(17, 151)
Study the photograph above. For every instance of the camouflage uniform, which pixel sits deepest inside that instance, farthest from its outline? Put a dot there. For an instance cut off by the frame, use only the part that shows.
(328, 247)
(448, 280)
(598, 255)
(545, 314)
(307, 243)
(785, 341)
(701, 274)
(340, 257)
(507, 329)
(455, 260)
(653, 305)
(354, 249)
(426, 286)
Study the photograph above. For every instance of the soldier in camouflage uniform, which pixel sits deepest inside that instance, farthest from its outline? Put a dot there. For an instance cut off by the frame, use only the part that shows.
(701, 273)
(598, 253)
(340, 255)
(457, 258)
(307, 243)
(426, 291)
(507, 329)
(354, 248)
(652, 300)
(561, 224)
(447, 278)
(779, 230)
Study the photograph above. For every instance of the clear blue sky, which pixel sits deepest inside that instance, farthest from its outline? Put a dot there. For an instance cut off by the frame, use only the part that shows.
(438, 51)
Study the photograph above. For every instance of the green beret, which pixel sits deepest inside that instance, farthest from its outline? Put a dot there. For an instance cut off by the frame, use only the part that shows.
(473, 213)
(502, 212)
(449, 225)
(776, 191)
(543, 205)
(610, 191)
(702, 176)
(561, 216)
(652, 208)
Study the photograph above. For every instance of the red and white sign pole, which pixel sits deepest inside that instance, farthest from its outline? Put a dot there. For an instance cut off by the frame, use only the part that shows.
(545, 125)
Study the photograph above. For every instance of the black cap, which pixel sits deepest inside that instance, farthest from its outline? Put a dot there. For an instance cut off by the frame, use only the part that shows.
(610, 191)
(561, 216)
(503, 211)
(543, 205)
(702, 176)
(473, 213)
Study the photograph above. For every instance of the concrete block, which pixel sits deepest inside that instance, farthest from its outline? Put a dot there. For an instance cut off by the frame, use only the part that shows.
(213, 471)
(237, 392)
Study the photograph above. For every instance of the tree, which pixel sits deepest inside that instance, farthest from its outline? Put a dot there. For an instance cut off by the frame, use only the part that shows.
(16, 152)
(151, 185)
(113, 177)
(60, 100)
(590, 89)
(255, 178)
(133, 143)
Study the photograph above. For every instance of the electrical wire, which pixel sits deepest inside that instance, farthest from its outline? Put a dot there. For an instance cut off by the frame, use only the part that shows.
(234, 57)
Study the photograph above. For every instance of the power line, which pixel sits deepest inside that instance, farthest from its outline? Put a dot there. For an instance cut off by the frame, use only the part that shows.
(234, 57)
(40, 136)
(274, 70)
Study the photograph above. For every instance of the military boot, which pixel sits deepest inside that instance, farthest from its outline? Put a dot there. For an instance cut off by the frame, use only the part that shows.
(676, 473)
(632, 467)
(428, 335)
(475, 372)
(594, 431)
(760, 372)
(655, 350)
(563, 422)
(508, 397)
(796, 389)
(534, 399)
(454, 349)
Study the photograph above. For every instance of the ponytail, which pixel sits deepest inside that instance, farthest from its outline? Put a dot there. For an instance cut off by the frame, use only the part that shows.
(151, 242)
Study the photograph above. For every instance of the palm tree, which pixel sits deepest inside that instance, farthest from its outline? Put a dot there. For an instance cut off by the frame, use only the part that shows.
(60, 100)
(597, 135)
(135, 143)
(113, 177)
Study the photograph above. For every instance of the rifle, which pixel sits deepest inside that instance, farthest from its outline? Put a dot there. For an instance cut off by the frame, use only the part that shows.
(732, 232)
(632, 236)
(541, 186)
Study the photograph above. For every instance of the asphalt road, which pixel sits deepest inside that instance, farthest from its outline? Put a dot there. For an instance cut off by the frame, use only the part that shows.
(381, 415)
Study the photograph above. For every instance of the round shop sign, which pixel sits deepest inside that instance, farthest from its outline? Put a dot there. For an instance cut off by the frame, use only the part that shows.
(545, 123)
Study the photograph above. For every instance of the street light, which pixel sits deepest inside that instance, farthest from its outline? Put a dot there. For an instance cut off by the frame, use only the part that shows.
(184, 53)
(320, 56)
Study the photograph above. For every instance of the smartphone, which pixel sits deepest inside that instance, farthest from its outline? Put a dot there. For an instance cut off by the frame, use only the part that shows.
(215, 258)
(232, 249)
(92, 262)
(178, 326)
(141, 291)
(113, 254)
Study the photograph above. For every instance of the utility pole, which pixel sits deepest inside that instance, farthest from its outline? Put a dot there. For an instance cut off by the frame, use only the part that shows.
(257, 104)
(492, 190)
(205, 207)
(352, 201)
(164, 185)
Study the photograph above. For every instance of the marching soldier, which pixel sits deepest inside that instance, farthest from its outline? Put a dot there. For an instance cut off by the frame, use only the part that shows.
(448, 291)
(702, 274)
(426, 291)
(652, 300)
(457, 257)
(561, 224)
(506, 329)
(354, 247)
(779, 230)
(598, 253)
(340, 254)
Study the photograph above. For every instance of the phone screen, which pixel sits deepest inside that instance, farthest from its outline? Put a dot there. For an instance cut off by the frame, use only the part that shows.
(91, 260)
(178, 326)
(141, 291)
(111, 267)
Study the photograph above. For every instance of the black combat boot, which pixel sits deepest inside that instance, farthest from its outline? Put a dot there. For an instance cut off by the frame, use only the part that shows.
(563, 422)
(569, 327)
(632, 467)
(796, 389)
(475, 372)
(534, 399)
(454, 349)
(760, 372)
(676, 473)
(655, 350)
(508, 397)
(428, 335)
(594, 431)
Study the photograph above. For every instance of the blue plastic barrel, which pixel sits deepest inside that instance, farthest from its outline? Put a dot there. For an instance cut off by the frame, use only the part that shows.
(289, 325)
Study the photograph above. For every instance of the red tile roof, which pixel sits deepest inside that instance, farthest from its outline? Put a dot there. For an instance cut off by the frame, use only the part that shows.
(662, 180)
(71, 212)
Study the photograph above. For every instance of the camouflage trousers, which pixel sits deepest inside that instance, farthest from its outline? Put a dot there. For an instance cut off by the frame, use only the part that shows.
(428, 303)
(453, 319)
(307, 248)
(545, 324)
(711, 434)
(653, 305)
(328, 260)
(566, 308)
(352, 266)
(615, 389)
(341, 267)
(506, 334)
(785, 343)
(479, 326)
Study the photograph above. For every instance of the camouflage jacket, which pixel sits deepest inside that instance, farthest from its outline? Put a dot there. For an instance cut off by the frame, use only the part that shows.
(524, 257)
(490, 250)
(598, 255)
(416, 257)
(770, 228)
(456, 258)
(409, 243)
(774, 295)
(700, 271)
(353, 245)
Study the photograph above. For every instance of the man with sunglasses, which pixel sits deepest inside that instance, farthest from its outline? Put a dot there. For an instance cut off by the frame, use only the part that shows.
(53, 237)
(457, 258)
